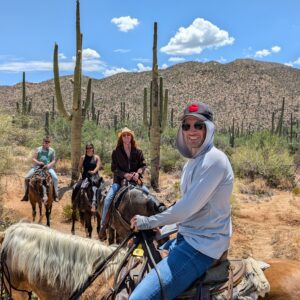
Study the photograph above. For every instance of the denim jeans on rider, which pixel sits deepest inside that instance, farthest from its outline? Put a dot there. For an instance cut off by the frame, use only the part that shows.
(177, 271)
(110, 196)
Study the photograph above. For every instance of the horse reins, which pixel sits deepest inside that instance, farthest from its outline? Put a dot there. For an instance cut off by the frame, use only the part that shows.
(6, 276)
(99, 269)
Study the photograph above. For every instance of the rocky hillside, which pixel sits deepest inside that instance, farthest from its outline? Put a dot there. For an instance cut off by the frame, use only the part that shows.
(246, 90)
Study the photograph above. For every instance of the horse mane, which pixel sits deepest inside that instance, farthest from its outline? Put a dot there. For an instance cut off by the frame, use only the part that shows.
(64, 261)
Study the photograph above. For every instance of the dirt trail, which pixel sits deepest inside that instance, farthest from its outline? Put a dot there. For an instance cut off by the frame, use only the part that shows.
(263, 227)
(22, 210)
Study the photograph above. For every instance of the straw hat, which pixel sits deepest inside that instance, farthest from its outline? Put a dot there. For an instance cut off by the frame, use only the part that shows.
(125, 130)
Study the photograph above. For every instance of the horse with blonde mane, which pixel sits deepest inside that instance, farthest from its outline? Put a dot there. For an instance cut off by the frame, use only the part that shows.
(51, 264)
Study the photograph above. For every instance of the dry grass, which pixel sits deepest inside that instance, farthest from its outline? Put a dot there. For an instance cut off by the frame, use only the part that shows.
(63, 167)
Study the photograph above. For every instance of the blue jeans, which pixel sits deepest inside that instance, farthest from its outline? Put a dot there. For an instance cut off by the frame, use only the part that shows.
(177, 271)
(109, 198)
(52, 173)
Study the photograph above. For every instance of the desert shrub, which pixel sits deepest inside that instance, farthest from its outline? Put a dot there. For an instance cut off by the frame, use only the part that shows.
(257, 187)
(60, 132)
(170, 159)
(264, 156)
(67, 213)
(221, 141)
(168, 137)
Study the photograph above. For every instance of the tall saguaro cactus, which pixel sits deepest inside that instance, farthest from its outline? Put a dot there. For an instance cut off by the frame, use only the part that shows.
(75, 117)
(26, 102)
(155, 128)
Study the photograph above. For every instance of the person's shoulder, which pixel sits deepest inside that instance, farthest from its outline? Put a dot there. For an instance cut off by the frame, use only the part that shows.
(51, 149)
(40, 148)
(97, 156)
(216, 156)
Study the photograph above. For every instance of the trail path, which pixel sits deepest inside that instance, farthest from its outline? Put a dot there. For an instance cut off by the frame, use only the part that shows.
(263, 227)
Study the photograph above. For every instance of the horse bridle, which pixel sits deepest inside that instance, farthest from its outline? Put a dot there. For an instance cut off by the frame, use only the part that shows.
(4, 275)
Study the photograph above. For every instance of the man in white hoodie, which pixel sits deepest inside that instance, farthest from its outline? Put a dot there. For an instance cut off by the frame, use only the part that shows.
(203, 214)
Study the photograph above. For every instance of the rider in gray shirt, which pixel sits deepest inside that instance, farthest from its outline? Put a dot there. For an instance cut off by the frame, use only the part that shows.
(203, 214)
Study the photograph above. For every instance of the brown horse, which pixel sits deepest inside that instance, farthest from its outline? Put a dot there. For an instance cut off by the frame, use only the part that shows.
(132, 200)
(41, 191)
(82, 203)
(51, 264)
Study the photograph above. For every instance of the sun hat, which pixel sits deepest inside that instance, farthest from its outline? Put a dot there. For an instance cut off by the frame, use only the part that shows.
(125, 130)
(199, 110)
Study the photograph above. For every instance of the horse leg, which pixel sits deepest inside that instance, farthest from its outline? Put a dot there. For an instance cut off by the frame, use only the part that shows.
(88, 224)
(48, 213)
(73, 220)
(33, 205)
(40, 209)
(98, 219)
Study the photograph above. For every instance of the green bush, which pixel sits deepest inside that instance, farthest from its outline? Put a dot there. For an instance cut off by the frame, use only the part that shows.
(170, 159)
(263, 155)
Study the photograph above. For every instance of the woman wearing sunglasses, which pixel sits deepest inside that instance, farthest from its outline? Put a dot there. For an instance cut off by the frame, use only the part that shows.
(202, 215)
(89, 166)
(127, 163)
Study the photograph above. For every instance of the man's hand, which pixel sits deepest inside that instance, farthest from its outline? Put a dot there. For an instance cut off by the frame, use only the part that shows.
(40, 163)
(133, 223)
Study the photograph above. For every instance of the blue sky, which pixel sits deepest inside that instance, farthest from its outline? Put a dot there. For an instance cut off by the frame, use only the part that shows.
(118, 34)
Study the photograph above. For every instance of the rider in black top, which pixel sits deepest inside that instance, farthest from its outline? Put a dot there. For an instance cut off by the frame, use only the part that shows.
(89, 166)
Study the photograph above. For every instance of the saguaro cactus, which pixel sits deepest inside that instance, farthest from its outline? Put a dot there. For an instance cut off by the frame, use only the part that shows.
(75, 117)
(280, 121)
(26, 102)
(155, 128)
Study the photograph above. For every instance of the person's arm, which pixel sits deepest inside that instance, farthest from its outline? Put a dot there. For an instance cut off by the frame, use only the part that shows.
(52, 162)
(192, 201)
(35, 159)
(141, 167)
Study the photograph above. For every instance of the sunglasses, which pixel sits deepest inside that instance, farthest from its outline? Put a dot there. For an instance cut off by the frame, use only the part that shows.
(47, 142)
(126, 134)
(88, 148)
(197, 126)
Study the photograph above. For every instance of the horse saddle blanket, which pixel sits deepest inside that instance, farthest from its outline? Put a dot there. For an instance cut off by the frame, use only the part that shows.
(230, 280)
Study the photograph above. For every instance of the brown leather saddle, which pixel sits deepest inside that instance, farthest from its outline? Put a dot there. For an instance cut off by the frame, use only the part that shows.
(223, 275)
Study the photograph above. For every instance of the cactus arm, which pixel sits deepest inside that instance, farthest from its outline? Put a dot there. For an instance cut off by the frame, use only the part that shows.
(60, 103)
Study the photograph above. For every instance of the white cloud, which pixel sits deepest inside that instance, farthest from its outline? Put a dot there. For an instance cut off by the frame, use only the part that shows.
(293, 63)
(125, 23)
(164, 66)
(142, 68)
(122, 50)
(113, 71)
(276, 49)
(221, 60)
(90, 63)
(89, 54)
(267, 52)
(201, 34)
(61, 56)
(262, 53)
(176, 59)
(26, 66)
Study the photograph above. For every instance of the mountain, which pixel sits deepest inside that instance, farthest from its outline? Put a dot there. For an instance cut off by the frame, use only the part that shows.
(246, 90)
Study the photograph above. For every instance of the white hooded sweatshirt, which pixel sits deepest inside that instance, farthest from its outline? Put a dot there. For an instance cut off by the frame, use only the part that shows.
(203, 214)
